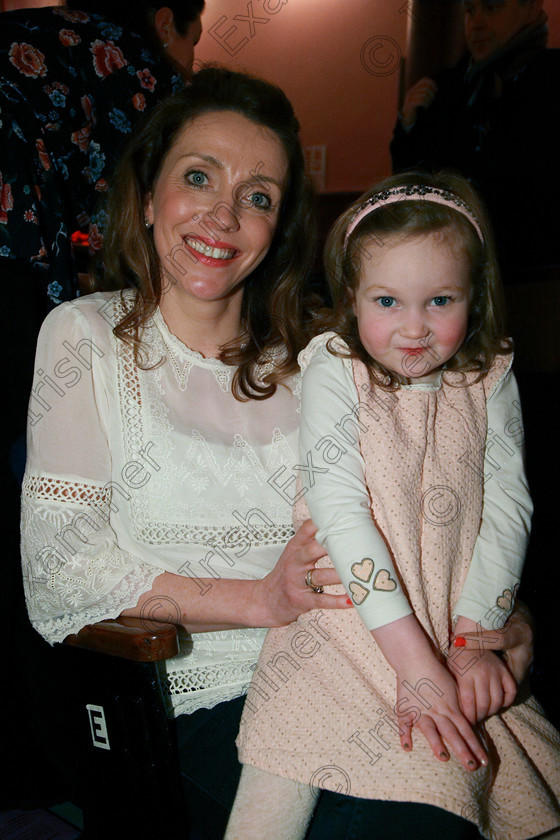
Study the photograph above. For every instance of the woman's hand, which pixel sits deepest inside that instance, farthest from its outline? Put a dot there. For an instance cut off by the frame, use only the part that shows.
(283, 594)
(515, 639)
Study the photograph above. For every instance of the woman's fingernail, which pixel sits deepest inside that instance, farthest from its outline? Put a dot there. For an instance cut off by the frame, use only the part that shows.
(460, 641)
(471, 763)
(444, 755)
(349, 602)
(406, 746)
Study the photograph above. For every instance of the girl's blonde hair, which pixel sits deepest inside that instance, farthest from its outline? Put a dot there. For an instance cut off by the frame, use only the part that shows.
(345, 256)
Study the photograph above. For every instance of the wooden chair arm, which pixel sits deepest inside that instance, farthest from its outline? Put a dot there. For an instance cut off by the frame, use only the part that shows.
(129, 638)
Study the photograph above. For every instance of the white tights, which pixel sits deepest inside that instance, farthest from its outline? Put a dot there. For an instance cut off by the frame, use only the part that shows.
(270, 806)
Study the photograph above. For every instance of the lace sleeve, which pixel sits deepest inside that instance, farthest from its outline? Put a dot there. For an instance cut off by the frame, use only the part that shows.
(74, 571)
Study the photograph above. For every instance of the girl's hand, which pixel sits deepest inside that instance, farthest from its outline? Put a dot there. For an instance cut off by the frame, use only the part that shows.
(427, 695)
(283, 594)
(427, 698)
(485, 687)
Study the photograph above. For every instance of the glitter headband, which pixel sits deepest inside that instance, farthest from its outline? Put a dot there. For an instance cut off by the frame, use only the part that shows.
(415, 193)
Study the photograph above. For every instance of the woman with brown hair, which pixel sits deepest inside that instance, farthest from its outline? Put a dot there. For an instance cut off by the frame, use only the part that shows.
(161, 460)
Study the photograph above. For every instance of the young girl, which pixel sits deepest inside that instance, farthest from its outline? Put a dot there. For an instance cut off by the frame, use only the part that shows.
(411, 467)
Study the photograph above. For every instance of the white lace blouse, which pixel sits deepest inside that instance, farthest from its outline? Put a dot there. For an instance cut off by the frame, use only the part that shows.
(132, 472)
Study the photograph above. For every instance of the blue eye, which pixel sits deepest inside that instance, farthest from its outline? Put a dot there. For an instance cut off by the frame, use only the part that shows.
(440, 300)
(196, 178)
(260, 200)
(386, 301)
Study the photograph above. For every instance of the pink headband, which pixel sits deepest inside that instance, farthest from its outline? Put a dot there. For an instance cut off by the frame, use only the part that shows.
(415, 193)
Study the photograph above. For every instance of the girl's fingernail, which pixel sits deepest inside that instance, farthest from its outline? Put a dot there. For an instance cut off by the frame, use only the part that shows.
(444, 755)
(349, 602)
(460, 641)
(406, 746)
(471, 763)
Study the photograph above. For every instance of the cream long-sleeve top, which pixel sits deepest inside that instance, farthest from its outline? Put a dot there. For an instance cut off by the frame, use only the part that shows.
(133, 472)
(339, 502)
(323, 696)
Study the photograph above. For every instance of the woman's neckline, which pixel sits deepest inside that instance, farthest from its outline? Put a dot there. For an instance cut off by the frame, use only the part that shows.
(179, 346)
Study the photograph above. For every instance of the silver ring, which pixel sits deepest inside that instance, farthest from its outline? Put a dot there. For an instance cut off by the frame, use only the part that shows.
(309, 582)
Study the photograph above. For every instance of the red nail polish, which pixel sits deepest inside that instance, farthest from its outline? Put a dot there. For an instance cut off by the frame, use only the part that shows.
(460, 641)
(349, 602)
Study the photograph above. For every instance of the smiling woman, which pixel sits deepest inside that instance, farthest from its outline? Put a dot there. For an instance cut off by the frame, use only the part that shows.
(209, 242)
(217, 175)
(224, 232)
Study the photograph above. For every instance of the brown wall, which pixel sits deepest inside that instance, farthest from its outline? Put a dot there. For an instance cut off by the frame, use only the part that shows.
(339, 61)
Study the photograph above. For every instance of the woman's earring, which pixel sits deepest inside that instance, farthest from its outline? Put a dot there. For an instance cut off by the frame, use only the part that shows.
(147, 222)
(165, 45)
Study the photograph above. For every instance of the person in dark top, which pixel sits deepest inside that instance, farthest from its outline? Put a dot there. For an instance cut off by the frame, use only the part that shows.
(495, 117)
(72, 86)
(172, 31)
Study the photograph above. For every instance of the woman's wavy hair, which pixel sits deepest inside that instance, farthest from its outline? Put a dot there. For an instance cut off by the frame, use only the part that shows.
(386, 225)
(272, 304)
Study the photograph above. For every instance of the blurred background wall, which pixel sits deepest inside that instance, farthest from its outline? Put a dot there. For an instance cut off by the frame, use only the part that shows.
(342, 64)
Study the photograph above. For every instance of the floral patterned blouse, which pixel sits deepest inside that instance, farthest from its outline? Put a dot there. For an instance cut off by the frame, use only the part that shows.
(72, 86)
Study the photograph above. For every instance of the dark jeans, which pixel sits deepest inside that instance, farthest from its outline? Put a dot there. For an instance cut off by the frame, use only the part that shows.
(340, 817)
(210, 774)
(209, 767)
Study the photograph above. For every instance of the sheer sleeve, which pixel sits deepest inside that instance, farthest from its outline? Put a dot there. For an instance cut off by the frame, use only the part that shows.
(338, 498)
(489, 591)
(74, 571)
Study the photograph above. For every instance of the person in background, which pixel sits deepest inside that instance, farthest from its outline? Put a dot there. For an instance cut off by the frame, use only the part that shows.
(173, 30)
(72, 87)
(495, 117)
